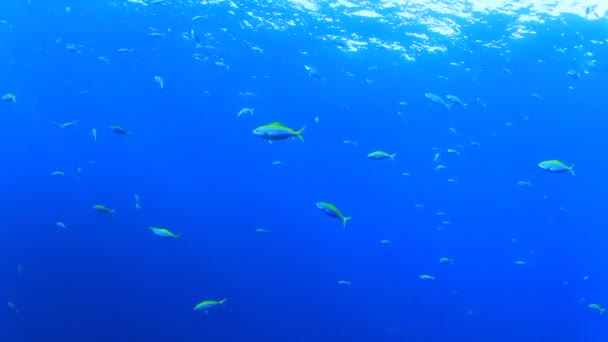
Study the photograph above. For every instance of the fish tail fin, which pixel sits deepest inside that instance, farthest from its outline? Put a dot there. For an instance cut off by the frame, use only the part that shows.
(299, 133)
(571, 168)
(602, 311)
(178, 236)
(345, 219)
(393, 156)
(223, 301)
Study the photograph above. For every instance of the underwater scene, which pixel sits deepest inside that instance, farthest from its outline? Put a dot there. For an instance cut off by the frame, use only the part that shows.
(304, 170)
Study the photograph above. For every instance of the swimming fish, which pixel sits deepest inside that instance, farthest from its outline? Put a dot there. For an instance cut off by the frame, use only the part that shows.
(331, 210)
(163, 232)
(119, 130)
(456, 100)
(381, 155)
(9, 98)
(137, 202)
(426, 277)
(196, 38)
(160, 81)
(597, 307)
(94, 134)
(245, 111)
(223, 65)
(103, 209)
(437, 99)
(556, 166)
(65, 125)
(14, 307)
(446, 261)
(524, 183)
(208, 304)
(277, 131)
(312, 72)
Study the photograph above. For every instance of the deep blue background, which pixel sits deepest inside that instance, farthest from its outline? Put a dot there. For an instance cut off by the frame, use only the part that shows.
(199, 171)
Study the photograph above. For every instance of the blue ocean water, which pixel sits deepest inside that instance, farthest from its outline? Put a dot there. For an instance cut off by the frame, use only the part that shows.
(200, 171)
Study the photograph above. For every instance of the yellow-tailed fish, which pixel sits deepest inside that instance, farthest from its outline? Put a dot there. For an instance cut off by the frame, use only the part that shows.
(556, 166)
(381, 155)
(277, 131)
(103, 209)
(597, 307)
(164, 232)
(331, 210)
(208, 304)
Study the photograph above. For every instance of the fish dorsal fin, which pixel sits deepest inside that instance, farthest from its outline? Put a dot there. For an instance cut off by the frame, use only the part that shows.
(276, 123)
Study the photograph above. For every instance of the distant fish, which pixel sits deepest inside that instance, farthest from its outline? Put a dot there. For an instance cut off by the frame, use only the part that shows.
(65, 125)
(556, 166)
(104, 59)
(456, 100)
(103, 209)
(446, 261)
(333, 211)
(437, 99)
(195, 37)
(123, 50)
(312, 72)
(9, 98)
(160, 81)
(14, 308)
(223, 65)
(574, 74)
(245, 111)
(164, 232)
(277, 131)
(208, 304)
(381, 155)
(94, 134)
(597, 307)
(119, 130)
